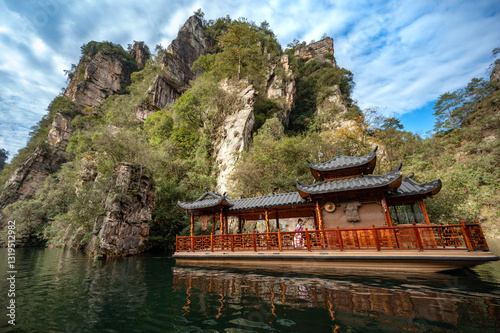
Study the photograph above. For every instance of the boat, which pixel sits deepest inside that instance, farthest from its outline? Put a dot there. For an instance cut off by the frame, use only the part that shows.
(357, 221)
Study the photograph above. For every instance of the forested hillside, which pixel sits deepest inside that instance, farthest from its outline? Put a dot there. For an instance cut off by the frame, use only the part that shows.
(225, 107)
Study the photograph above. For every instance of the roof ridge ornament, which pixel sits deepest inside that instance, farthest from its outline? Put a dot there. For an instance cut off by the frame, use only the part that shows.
(399, 166)
(338, 152)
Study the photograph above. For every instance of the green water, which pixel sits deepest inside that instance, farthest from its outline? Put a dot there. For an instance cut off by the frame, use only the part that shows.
(65, 291)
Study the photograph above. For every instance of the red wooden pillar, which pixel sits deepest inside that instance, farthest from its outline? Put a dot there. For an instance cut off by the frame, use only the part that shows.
(192, 225)
(387, 215)
(221, 223)
(320, 217)
(277, 221)
(424, 211)
(267, 220)
(226, 224)
(213, 225)
(315, 216)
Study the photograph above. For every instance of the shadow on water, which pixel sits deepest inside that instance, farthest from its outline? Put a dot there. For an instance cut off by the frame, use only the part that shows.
(64, 291)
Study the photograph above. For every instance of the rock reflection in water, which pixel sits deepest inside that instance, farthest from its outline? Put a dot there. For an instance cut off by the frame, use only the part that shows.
(269, 301)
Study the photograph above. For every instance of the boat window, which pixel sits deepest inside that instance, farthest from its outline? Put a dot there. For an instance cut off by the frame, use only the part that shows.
(406, 214)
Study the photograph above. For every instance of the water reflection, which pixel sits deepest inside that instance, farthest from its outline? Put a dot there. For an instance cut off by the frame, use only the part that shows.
(347, 305)
(64, 291)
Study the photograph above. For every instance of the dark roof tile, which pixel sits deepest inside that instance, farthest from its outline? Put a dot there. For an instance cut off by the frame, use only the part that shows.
(268, 201)
(342, 162)
(352, 183)
(410, 187)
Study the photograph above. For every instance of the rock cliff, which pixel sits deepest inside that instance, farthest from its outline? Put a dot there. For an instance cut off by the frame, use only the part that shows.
(124, 230)
(495, 74)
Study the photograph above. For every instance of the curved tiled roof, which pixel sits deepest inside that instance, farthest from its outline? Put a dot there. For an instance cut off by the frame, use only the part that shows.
(342, 162)
(268, 201)
(410, 187)
(207, 200)
(352, 183)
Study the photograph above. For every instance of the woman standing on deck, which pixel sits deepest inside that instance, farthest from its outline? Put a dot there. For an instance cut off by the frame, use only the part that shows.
(298, 236)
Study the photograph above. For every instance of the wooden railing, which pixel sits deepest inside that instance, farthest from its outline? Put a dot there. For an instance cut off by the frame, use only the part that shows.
(409, 237)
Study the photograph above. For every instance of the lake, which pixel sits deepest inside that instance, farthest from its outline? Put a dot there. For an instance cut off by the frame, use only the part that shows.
(64, 291)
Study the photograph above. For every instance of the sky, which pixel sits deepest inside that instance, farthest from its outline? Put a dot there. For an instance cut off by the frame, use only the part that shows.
(403, 54)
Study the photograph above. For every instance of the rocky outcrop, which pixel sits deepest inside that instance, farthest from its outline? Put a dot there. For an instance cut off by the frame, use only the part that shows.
(281, 86)
(96, 78)
(159, 94)
(140, 52)
(177, 61)
(495, 74)
(234, 135)
(184, 50)
(124, 230)
(320, 51)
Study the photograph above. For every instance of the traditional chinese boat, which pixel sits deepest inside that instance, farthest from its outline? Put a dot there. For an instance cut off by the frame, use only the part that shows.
(360, 222)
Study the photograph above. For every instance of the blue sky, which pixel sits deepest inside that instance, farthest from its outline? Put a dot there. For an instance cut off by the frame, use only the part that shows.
(404, 54)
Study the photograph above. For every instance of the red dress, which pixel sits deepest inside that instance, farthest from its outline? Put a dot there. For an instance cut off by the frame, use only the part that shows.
(298, 241)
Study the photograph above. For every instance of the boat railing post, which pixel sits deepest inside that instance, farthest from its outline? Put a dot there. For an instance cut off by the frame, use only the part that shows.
(212, 241)
(232, 242)
(375, 237)
(465, 234)
(417, 236)
(279, 240)
(192, 242)
(341, 246)
(254, 243)
(308, 241)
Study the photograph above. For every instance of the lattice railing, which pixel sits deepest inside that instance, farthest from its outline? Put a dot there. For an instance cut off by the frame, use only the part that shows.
(409, 237)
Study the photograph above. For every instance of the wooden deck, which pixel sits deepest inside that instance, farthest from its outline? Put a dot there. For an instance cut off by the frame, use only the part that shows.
(422, 248)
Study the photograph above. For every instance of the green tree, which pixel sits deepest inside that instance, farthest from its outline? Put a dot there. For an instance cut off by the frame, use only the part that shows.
(452, 108)
(4, 154)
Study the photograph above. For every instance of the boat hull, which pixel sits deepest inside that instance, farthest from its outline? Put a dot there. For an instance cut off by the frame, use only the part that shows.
(400, 261)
